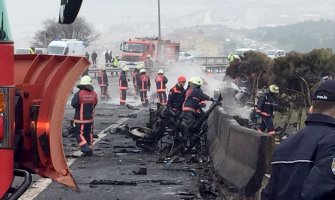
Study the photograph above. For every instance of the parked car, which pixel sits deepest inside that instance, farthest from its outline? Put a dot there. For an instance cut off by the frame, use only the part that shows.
(276, 53)
(28, 50)
(186, 57)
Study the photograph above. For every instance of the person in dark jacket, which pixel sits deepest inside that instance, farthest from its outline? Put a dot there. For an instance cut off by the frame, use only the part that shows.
(107, 59)
(84, 102)
(110, 57)
(87, 55)
(103, 83)
(266, 106)
(94, 56)
(143, 83)
(177, 95)
(123, 85)
(161, 82)
(303, 165)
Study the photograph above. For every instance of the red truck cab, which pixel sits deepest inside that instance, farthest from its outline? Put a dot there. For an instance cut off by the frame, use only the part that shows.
(135, 51)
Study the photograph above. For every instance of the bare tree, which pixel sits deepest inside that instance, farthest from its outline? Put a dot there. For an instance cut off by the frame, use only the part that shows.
(52, 30)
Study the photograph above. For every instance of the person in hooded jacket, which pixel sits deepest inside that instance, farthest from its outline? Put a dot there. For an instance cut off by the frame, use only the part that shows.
(84, 102)
(161, 82)
(303, 165)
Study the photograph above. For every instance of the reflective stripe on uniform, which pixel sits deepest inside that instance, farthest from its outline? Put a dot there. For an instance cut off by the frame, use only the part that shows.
(291, 162)
(83, 121)
(189, 109)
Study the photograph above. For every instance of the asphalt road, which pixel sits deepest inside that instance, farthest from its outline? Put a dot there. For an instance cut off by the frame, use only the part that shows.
(111, 172)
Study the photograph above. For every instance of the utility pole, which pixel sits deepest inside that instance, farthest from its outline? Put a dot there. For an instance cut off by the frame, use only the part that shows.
(159, 32)
(159, 19)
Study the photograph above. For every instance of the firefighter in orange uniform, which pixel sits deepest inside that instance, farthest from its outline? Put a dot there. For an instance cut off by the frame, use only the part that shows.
(161, 82)
(177, 95)
(84, 102)
(135, 75)
(143, 83)
(266, 107)
(123, 85)
(103, 83)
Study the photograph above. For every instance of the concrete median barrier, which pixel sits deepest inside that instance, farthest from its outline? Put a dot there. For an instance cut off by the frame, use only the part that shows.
(240, 155)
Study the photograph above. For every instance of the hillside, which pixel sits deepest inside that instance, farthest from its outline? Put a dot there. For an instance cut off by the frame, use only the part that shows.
(302, 37)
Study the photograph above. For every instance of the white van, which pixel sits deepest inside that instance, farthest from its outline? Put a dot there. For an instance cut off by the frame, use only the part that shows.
(69, 47)
(241, 51)
(276, 53)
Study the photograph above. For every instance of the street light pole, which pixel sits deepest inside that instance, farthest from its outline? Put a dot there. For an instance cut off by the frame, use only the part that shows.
(159, 33)
(159, 19)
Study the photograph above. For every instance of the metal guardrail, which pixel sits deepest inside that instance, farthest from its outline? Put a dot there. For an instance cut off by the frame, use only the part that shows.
(212, 60)
(210, 65)
(213, 64)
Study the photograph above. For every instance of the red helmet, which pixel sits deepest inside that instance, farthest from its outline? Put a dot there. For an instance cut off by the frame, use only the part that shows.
(181, 79)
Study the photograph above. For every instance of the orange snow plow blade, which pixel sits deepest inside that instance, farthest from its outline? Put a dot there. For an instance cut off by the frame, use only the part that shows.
(44, 83)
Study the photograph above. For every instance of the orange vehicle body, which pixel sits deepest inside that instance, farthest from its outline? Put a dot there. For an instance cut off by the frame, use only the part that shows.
(137, 50)
(33, 94)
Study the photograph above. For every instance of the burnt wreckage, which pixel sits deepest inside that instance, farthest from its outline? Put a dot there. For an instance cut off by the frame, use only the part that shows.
(165, 133)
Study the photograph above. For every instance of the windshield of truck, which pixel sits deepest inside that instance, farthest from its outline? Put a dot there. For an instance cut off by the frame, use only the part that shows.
(137, 48)
(55, 50)
(5, 34)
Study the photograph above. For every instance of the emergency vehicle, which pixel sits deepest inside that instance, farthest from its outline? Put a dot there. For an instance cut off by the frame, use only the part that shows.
(135, 51)
(33, 93)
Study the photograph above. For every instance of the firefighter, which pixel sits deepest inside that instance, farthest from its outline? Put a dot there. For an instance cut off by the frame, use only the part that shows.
(194, 101)
(135, 76)
(84, 102)
(123, 85)
(103, 83)
(143, 83)
(177, 96)
(266, 106)
(303, 165)
(148, 64)
(233, 58)
(161, 82)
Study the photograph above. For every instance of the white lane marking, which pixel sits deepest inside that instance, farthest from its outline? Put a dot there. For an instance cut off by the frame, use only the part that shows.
(42, 183)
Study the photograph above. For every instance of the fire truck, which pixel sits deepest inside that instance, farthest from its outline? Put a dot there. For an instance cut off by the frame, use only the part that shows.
(135, 51)
(33, 94)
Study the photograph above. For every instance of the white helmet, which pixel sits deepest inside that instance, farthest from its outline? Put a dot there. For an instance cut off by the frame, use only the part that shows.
(125, 68)
(160, 71)
(197, 81)
(142, 71)
(191, 79)
(85, 80)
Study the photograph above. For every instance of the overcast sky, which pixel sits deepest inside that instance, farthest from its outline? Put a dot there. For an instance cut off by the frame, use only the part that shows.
(132, 15)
